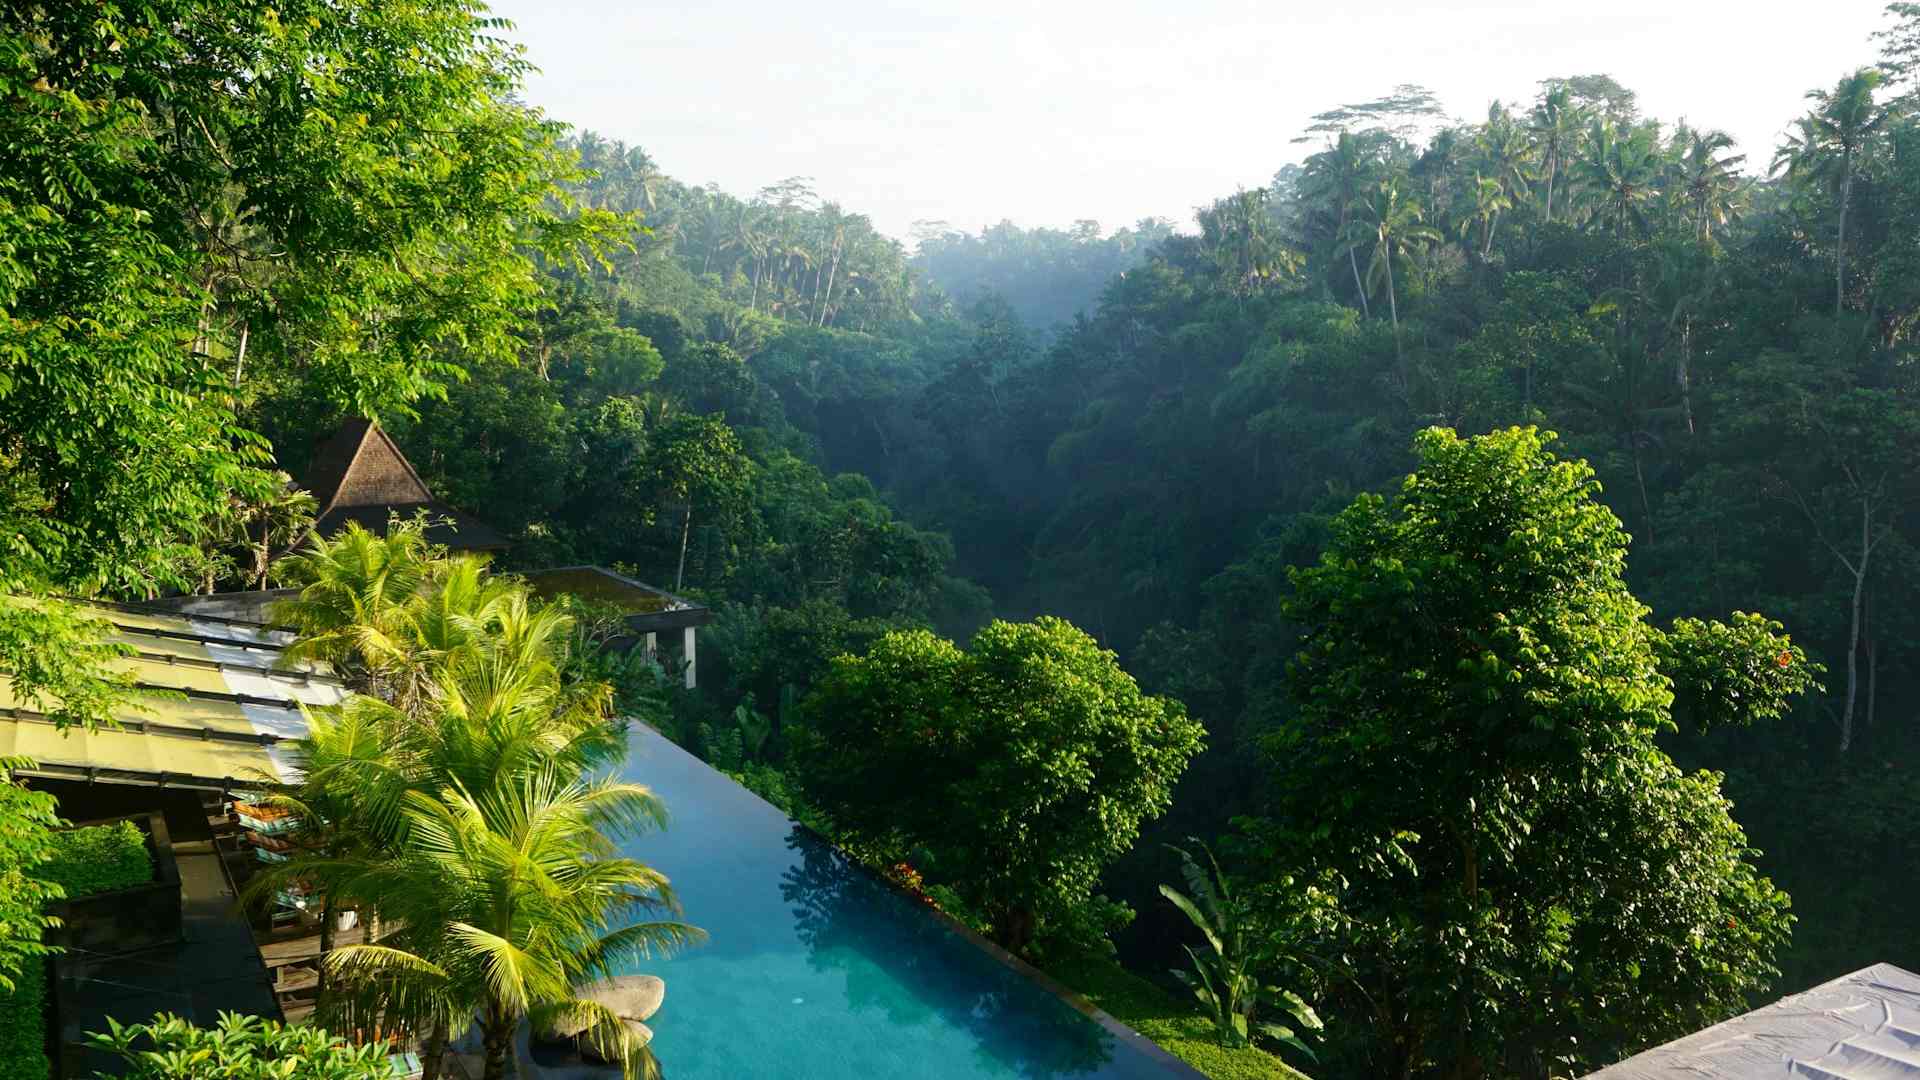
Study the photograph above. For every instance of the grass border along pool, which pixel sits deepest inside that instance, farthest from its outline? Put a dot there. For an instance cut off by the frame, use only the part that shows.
(1176, 1026)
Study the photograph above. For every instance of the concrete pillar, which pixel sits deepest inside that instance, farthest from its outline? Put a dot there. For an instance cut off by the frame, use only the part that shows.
(651, 649)
(686, 651)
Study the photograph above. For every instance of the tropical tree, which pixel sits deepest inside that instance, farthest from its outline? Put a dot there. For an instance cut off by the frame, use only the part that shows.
(1339, 178)
(1832, 141)
(1022, 766)
(1391, 226)
(1469, 760)
(353, 605)
(1710, 178)
(1505, 157)
(1555, 126)
(512, 898)
(1618, 171)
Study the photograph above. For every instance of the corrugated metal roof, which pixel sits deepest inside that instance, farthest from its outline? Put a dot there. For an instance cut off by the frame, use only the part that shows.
(1863, 1026)
(213, 708)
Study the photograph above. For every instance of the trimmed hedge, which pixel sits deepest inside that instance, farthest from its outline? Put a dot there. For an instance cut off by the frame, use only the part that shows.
(23, 1025)
(98, 859)
(85, 862)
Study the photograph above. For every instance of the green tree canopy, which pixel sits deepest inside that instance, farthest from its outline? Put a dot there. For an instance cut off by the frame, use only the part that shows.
(1022, 765)
(1525, 883)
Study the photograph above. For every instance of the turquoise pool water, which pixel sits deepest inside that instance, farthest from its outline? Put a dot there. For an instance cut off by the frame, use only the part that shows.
(816, 970)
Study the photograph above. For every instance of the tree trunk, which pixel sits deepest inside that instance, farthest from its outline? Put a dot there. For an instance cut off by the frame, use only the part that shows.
(1840, 244)
(1393, 306)
(1013, 929)
(1552, 164)
(686, 528)
(240, 358)
(499, 1044)
(1492, 224)
(832, 271)
(434, 1052)
(1686, 372)
(1853, 633)
(1353, 261)
(1646, 507)
(327, 923)
(1873, 663)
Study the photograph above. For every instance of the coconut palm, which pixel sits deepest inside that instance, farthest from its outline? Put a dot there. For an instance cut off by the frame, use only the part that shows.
(1505, 157)
(511, 902)
(351, 611)
(1391, 226)
(1336, 180)
(1828, 148)
(345, 774)
(1710, 178)
(1555, 127)
(1619, 172)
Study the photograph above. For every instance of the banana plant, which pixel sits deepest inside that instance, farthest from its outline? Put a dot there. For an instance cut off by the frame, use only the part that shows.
(1223, 979)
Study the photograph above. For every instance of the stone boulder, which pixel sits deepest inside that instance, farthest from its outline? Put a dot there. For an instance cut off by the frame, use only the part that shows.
(629, 997)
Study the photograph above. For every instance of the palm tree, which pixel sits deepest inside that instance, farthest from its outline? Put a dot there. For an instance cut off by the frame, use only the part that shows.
(1619, 171)
(1833, 139)
(1710, 177)
(511, 902)
(1488, 200)
(351, 610)
(1391, 226)
(345, 774)
(1505, 154)
(1555, 127)
(1338, 178)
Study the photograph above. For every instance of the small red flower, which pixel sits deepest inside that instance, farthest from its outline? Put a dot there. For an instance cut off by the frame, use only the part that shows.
(1785, 658)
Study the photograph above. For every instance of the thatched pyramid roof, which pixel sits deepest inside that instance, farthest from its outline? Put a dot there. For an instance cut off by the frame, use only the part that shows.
(360, 475)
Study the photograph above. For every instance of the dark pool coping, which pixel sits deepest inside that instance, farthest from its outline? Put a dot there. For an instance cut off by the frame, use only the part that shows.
(1139, 1043)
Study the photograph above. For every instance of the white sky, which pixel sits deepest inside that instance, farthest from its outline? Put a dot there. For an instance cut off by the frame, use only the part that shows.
(1048, 111)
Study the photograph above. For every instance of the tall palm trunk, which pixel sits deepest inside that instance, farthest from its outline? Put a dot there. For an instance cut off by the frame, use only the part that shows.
(1393, 307)
(1840, 244)
(328, 920)
(1853, 632)
(1552, 167)
(499, 1043)
(1685, 372)
(1353, 261)
(435, 1051)
(686, 530)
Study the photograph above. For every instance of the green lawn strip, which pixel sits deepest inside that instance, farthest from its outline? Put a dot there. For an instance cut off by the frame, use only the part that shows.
(86, 862)
(1176, 1026)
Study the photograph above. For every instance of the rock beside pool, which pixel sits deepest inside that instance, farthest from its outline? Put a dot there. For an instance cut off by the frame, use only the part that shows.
(592, 1049)
(629, 997)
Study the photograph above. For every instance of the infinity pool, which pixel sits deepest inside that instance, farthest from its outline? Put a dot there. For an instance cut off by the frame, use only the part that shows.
(817, 970)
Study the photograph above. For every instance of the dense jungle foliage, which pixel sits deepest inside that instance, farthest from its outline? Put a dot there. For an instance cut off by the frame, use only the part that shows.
(1204, 445)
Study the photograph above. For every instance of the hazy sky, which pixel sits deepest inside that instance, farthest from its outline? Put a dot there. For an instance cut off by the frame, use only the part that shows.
(1047, 111)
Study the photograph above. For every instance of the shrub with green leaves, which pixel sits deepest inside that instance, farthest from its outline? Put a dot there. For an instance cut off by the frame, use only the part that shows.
(238, 1048)
(23, 1027)
(98, 859)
